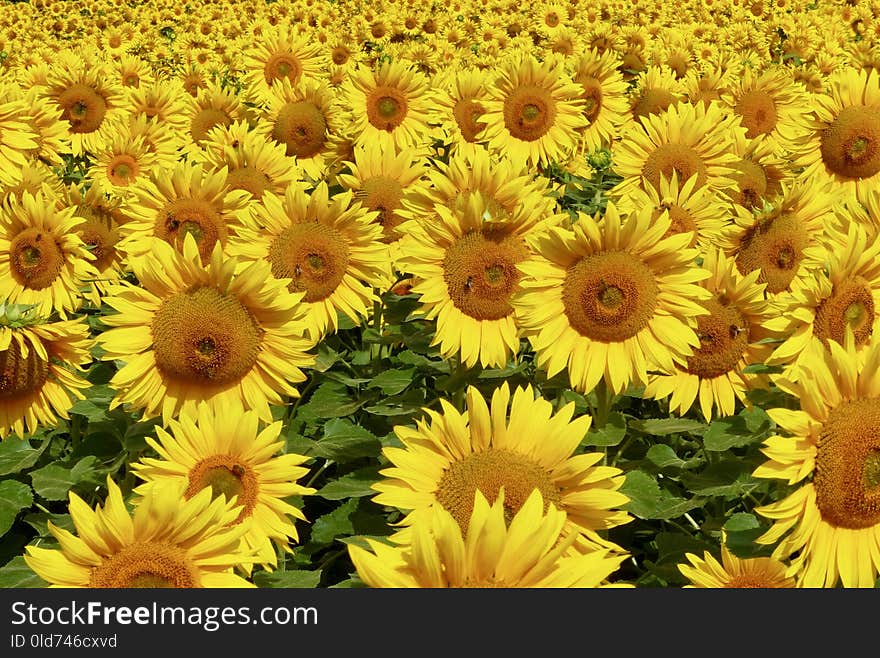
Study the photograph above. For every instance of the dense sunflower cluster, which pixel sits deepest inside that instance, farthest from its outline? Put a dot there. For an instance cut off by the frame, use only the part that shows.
(196, 197)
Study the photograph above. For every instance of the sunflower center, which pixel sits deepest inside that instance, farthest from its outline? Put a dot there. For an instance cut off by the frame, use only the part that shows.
(250, 179)
(227, 476)
(21, 375)
(302, 128)
(680, 221)
(847, 478)
(757, 112)
(83, 107)
(609, 296)
(752, 182)
(123, 169)
(35, 258)
(193, 216)
(671, 158)
(467, 112)
(774, 246)
(851, 304)
(487, 472)
(724, 338)
(481, 274)
(592, 97)
(386, 108)
(383, 194)
(146, 564)
(205, 337)
(314, 256)
(850, 146)
(100, 241)
(280, 66)
(653, 101)
(529, 112)
(205, 119)
(751, 581)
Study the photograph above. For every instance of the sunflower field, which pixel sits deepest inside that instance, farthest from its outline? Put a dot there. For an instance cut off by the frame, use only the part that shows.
(410, 293)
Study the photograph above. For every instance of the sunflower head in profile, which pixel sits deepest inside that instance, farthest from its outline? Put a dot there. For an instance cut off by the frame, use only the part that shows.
(497, 549)
(168, 541)
(843, 147)
(278, 55)
(42, 259)
(603, 96)
(733, 572)
(762, 174)
(487, 449)
(192, 332)
(607, 300)
(225, 451)
(459, 106)
(389, 104)
(534, 113)
(212, 106)
(17, 138)
(829, 525)
(40, 369)
(188, 199)
(327, 251)
(164, 102)
(656, 89)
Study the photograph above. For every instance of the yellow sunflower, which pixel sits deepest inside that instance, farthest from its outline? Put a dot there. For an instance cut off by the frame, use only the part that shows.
(163, 102)
(656, 89)
(211, 106)
(279, 54)
(687, 139)
(168, 541)
(50, 128)
(761, 173)
(40, 366)
(17, 138)
(186, 200)
(193, 333)
(734, 572)
(829, 526)
(534, 113)
(389, 105)
(527, 551)
(124, 161)
(42, 259)
(730, 339)
(844, 143)
(610, 299)
(330, 252)
(442, 464)
(604, 97)
(223, 450)
(458, 107)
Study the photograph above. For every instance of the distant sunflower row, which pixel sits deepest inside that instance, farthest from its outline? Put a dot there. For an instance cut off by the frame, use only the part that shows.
(224, 215)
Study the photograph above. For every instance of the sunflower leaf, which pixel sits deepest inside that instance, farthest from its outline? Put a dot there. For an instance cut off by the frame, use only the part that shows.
(338, 523)
(393, 382)
(344, 441)
(18, 455)
(16, 573)
(14, 497)
(53, 481)
(666, 426)
(354, 485)
(288, 579)
(610, 434)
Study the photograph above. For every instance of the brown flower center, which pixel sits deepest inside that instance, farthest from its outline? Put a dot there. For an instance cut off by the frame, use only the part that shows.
(123, 169)
(851, 304)
(282, 65)
(205, 119)
(302, 128)
(757, 112)
(383, 194)
(250, 179)
(83, 107)
(672, 158)
(195, 217)
(146, 564)
(776, 247)
(386, 107)
(751, 180)
(850, 146)
(227, 476)
(724, 338)
(100, 240)
(467, 112)
(314, 256)
(21, 375)
(35, 258)
(653, 101)
(529, 112)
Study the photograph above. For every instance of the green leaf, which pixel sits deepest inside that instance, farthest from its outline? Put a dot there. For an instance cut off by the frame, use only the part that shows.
(288, 579)
(732, 477)
(665, 426)
(410, 358)
(330, 400)
(95, 405)
(730, 432)
(53, 481)
(17, 455)
(14, 497)
(741, 521)
(664, 456)
(649, 501)
(393, 382)
(609, 435)
(16, 573)
(344, 441)
(353, 485)
(338, 523)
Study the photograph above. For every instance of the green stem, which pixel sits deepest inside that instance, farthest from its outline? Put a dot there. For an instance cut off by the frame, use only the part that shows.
(75, 429)
(320, 470)
(604, 400)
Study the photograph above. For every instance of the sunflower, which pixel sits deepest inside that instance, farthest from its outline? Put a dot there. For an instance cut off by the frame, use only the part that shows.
(459, 106)
(223, 450)
(770, 103)
(691, 209)
(193, 333)
(168, 541)
(761, 173)
(124, 161)
(842, 296)
(40, 366)
(212, 106)
(186, 200)
(830, 523)
(442, 464)
(42, 259)
(707, 84)
(277, 55)
(844, 143)
(734, 572)
(527, 551)
(656, 89)
(534, 113)
(17, 139)
(307, 120)
(604, 97)
(731, 336)
(380, 179)
(782, 240)
(328, 251)
(164, 102)
(389, 105)
(611, 299)
(133, 72)
(688, 139)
